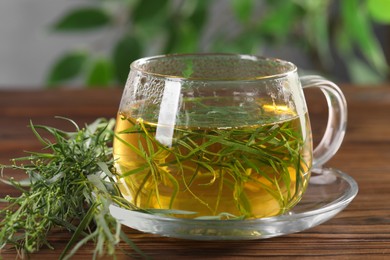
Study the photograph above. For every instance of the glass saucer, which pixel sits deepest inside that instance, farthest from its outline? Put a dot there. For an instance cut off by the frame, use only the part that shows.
(329, 192)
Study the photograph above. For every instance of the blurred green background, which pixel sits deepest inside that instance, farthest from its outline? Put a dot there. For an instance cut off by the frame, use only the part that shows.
(346, 41)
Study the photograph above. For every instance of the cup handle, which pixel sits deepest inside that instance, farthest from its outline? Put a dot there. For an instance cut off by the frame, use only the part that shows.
(337, 119)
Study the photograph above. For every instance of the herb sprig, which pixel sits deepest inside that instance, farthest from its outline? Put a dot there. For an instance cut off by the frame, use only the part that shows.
(69, 186)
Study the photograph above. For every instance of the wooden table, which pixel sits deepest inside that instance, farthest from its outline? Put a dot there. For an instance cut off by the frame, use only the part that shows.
(361, 231)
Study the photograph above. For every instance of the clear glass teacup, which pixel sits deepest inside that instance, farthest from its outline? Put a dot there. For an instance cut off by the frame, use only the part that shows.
(220, 135)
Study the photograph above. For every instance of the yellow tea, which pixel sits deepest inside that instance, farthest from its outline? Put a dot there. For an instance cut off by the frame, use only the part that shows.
(258, 166)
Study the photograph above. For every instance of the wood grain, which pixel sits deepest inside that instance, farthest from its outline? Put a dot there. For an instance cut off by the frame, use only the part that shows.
(361, 231)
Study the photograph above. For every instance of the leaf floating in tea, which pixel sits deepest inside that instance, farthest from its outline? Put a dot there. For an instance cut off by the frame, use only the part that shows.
(251, 165)
(187, 72)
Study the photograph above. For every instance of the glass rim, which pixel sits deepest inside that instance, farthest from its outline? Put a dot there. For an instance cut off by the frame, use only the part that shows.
(136, 65)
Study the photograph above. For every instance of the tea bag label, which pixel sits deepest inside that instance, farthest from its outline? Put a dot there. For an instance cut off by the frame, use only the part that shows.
(168, 111)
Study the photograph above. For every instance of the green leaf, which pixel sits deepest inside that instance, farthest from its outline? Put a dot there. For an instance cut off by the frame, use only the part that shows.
(379, 10)
(105, 169)
(187, 39)
(100, 74)
(317, 30)
(183, 35)
(67, 67)
(358, 71)
(82, 19)
(124, 237)
(126, 51)
(80, 229)
(361, 73)
(343, 42)
(147, 10)
(243, 9)
(199, 17)
(276, 28)
(359, 29)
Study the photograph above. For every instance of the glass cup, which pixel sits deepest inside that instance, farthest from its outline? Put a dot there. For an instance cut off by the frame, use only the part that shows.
(220, 136)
